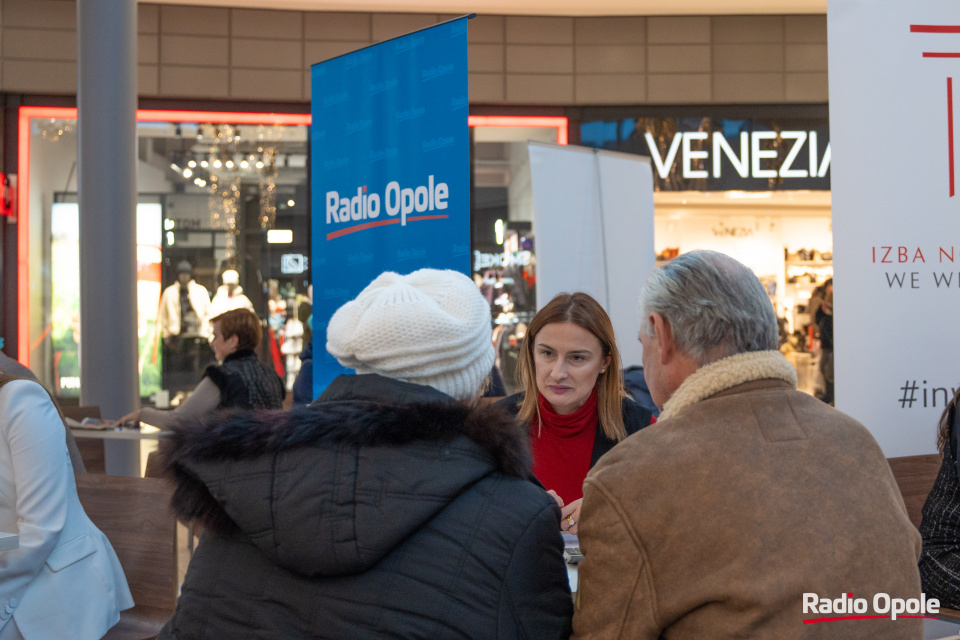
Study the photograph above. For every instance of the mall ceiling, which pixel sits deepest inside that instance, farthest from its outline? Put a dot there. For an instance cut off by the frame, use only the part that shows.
(536, 7)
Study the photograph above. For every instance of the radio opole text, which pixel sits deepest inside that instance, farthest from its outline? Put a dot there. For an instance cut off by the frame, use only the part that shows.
(882, 604)
(395, 200)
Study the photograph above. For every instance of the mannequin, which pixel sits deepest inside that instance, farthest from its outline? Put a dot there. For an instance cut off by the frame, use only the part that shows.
(184, 307)
(185, 328)
(230, 295)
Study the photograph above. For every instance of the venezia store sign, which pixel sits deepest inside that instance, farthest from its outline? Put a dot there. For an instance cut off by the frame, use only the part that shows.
(723, 154)
(758, 154)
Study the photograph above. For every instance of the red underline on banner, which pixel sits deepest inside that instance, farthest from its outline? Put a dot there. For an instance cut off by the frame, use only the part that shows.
(360, 227)
(815, 620)
(379, 223)
(950, 132)
(934, 28)
(417, 218)
(933, 54)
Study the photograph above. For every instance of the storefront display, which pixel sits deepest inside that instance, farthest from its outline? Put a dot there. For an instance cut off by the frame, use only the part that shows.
(217, 184)
(64, 327)
(232, 194)
(754, 188)
(229, 193)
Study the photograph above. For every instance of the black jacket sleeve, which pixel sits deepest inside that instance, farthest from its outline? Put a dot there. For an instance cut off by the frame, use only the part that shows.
(536, 602)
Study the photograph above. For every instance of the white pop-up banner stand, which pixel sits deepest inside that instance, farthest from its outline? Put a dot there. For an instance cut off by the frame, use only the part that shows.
(894, 71)
(593, 216)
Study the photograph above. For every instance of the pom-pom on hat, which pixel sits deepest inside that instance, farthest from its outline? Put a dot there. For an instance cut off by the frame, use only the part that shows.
(431, 327)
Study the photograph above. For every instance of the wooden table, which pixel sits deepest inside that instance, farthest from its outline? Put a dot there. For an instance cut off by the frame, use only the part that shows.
(145, 432)
(122, 446)
(9, 541)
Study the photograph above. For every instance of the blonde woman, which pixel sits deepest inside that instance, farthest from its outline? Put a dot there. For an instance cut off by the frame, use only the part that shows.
(573, 400)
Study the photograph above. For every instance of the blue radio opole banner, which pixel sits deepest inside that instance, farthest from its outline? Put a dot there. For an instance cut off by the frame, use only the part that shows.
(390, 174)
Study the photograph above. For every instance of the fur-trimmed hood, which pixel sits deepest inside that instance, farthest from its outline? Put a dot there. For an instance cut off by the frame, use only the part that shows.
(330, 489)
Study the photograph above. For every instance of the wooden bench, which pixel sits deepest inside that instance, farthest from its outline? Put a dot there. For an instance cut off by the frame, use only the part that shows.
(135, 515)
(915, 476)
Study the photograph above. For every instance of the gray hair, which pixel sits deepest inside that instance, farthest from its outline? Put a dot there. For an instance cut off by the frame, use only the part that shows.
(715, 305)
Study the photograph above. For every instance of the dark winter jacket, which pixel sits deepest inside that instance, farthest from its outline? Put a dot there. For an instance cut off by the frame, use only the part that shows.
(940, 559)
(303, 385)
(383, 510)
(636, 386)
(635, 418)
(246, 383)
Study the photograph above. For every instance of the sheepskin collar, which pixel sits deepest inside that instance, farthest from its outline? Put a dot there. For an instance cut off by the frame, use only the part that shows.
(728, 372)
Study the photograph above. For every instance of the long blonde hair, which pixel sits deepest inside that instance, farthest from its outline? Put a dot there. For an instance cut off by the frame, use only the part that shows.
(585, 312)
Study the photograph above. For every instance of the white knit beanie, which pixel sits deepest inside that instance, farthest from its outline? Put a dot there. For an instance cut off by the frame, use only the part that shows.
(431, 327)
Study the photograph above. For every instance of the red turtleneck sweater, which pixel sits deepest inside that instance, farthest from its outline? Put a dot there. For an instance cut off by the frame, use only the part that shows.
(563, 446)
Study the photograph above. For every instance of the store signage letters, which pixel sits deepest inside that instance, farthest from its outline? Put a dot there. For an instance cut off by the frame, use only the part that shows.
(753, 160)
(483, 261)
(291, 263)
(184, 224)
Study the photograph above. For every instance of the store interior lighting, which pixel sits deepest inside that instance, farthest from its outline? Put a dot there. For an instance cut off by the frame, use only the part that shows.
(279, 236)
(200, 150)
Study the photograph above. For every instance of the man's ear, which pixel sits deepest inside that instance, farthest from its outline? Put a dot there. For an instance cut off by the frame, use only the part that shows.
(664, 335)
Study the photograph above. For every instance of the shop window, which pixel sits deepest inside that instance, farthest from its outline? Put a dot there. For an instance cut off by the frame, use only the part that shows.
(504, 251)
(754, 188)
(218, 192)
(229, 192)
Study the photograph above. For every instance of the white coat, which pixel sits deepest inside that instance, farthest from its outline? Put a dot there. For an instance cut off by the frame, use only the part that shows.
(223, 301)
(64, 582)
(170, 308)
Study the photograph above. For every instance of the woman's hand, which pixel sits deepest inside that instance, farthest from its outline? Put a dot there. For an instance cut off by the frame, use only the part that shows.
(553, 494)
(570, 517)
(131, 418)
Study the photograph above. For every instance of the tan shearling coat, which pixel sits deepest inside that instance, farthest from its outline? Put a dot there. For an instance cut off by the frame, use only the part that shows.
(746, 494)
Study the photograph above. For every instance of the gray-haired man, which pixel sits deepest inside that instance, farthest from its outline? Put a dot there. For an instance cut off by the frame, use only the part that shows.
(747, 501)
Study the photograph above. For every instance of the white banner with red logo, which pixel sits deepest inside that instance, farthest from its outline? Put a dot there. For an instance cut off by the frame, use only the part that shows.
(894, 75)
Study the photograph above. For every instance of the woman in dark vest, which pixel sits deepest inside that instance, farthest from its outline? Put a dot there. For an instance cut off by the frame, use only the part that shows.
(240, 381)
(573, 402)
(940, 527)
